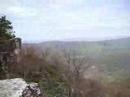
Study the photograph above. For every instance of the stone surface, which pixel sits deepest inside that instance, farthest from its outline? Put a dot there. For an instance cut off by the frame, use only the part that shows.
(32, 90)
(18, 88)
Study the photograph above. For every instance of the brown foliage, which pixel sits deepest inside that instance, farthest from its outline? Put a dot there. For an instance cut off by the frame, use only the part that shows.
(118, 89)
(30, 65)
(63, 67)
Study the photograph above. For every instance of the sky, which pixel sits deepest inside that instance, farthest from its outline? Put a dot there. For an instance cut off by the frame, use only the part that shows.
(43, 20)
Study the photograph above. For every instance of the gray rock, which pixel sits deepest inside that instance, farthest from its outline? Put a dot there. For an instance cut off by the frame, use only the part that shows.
(18, 88)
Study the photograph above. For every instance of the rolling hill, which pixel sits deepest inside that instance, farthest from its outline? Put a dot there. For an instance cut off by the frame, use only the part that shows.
(113, 55)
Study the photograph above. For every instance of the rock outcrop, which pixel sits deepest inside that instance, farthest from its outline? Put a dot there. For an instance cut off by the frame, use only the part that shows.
(19, 88)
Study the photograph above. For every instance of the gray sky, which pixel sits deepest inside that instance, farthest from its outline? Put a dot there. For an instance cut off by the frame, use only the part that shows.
(38, 20)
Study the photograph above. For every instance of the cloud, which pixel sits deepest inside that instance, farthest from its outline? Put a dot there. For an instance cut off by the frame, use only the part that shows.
(16, 9)
(57, 19)
(22, 11)
(66, 4)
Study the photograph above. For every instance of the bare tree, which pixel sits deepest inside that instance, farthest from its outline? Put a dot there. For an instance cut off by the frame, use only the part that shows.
(74, 70)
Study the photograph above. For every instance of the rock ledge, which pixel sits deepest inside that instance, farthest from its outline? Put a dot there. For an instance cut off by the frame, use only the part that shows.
(18, 88)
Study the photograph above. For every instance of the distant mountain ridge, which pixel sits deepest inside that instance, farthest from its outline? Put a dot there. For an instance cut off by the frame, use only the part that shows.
(114, 45)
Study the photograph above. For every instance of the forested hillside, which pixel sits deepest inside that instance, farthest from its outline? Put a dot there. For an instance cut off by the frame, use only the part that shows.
(112, 55)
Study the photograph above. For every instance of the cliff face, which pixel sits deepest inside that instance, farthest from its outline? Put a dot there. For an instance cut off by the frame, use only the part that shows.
(18, 88)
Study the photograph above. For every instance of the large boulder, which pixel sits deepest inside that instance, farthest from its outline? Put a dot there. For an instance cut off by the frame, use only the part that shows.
(18, 88)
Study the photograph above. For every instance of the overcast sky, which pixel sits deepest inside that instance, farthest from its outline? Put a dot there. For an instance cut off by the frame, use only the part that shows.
(38, 20)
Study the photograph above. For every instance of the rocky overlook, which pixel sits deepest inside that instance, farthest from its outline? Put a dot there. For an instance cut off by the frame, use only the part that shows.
(19, 88)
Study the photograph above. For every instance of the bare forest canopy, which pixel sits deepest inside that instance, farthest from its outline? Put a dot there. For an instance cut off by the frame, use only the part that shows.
(112, 55)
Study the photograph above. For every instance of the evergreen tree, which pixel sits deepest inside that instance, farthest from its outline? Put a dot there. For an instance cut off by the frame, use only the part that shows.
(6, 29)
